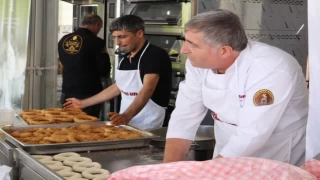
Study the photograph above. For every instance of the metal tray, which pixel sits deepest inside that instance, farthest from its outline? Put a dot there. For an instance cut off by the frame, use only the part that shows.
(79, 146)
(204, 139)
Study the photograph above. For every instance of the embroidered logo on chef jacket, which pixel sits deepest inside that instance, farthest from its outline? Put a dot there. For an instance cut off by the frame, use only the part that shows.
(72, 44)
(263, 97)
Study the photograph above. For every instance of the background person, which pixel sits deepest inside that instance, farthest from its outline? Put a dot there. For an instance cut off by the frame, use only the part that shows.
(143, 78)
(85, 60)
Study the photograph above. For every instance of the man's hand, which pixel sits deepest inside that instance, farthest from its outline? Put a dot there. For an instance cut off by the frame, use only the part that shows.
(118, 119)
(73, 103)
(219, 156)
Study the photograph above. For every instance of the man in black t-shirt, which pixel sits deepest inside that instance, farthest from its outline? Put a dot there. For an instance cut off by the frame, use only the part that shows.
(143, 78)
(85, 60)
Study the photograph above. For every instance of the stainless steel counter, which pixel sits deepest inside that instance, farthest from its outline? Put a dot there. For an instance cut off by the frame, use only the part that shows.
(7, 155)
(112, 160)
(18, 121)
(116, 160)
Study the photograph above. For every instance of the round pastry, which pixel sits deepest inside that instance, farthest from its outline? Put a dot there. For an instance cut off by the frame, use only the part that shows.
(30, 116)
(68, 174)
(85, 118)
(80, 167)
(42, 157)
(51, 163)
(44, 111)
(41, 134)
(72, 138)
(71, 161)
(21, 134)
(93, 173)
(71, 109)
(78, 178)
(101, 177)
(39, 120)
(62, 118)
(73, 113)
(60, 168)
(26, 114)
(57, 139)
(64, 156)
(30, 111)
(51, 113)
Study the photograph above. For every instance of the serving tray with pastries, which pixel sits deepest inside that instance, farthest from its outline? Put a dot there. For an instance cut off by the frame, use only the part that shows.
(55, 116)
(66, 137)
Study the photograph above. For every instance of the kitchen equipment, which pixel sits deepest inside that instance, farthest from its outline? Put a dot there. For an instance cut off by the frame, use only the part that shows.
(201, 148)
(79, 146)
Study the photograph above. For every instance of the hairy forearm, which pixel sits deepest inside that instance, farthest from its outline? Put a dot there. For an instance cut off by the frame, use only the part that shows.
(103, 96)
(176, 149)
(139, 102)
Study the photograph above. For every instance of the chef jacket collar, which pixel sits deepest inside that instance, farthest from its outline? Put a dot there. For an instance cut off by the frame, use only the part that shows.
(242, 56)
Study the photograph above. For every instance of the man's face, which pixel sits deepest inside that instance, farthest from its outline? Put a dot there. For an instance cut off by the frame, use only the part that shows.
(126, 40)
(200, 54)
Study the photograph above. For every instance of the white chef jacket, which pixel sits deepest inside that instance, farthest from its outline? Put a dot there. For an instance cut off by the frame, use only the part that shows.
(275, 131)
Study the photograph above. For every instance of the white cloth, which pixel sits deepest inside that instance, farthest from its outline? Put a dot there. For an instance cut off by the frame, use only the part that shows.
(313, 132)
(129, 83)
(4, 172)
(275, 131)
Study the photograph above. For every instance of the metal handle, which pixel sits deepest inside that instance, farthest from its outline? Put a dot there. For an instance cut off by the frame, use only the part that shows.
(195, 145)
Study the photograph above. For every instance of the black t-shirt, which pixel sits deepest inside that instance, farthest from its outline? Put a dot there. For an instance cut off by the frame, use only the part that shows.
(84, 59)
(154, 61)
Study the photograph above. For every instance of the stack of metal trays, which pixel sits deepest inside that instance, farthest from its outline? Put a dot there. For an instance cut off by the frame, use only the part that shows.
(78, 146)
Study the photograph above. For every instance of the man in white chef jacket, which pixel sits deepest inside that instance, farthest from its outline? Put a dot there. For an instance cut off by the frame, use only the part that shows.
(256, 93)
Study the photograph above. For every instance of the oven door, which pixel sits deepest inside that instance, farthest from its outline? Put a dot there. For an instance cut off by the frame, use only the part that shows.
(166, 18)
(158, 13)
(172, 44)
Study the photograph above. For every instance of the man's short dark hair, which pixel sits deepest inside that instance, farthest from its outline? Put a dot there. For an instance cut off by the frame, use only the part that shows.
(91, 19)
(129, 23)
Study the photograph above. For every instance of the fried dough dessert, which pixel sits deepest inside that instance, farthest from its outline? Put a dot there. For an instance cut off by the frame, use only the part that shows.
(55, 116)
(73, 134)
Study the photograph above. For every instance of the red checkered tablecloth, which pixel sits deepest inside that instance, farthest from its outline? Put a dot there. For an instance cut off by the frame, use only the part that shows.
(312, 166)
(242, 168)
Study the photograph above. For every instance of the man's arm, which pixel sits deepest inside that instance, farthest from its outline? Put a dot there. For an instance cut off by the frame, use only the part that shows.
(176, 149)
(186, 117)
(150, 82)
(103, 96)
(177, 153)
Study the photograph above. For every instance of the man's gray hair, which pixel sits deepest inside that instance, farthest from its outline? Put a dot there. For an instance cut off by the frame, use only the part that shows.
(219, 27)
(91, 19)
